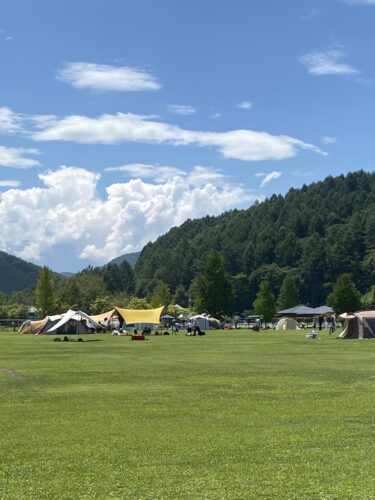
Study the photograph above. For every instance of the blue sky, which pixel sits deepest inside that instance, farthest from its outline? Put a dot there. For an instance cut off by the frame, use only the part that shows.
(121, 119)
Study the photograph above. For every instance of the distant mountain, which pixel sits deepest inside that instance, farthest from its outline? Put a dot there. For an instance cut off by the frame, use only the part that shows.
(16, 274)
(67, 274)
(132, 258)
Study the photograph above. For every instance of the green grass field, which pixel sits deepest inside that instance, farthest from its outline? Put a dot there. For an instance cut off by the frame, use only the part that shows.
(233, 415)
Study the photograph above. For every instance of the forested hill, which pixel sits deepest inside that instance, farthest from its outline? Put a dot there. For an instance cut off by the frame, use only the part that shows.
(129, 257)
(315, 233)
(16, 274)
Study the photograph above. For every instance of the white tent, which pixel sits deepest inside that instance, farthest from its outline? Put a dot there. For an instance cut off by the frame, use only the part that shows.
(202, 321)
(74, 322)
(287, 324)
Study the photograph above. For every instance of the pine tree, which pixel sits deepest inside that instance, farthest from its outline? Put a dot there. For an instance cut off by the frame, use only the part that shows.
(264, 303)
(45, 292)
(344, 297)
(288, 296)
(214, 289)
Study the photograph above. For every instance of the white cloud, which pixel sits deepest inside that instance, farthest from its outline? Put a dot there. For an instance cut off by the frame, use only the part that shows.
(215, 116)
(18, 157)
(198, 176)
(360, 2)
(245, 105)
(103, 77)
(9, 184)
(68, 211)
(179, 109)
(267, 178)
(245, 145)
(146, 171)
(329, 140)
(328, 63)
(10, 122)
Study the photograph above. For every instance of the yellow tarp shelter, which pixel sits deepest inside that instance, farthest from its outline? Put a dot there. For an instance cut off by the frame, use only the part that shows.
(103, 318)
(136, 316)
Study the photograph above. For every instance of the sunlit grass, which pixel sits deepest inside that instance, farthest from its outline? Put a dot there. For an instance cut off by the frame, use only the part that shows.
(232, 415)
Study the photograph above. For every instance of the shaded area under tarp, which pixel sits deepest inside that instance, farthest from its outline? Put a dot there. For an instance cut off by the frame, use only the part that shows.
(103, 318)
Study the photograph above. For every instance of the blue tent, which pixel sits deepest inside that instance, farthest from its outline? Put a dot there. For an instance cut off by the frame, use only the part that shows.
(167, 316)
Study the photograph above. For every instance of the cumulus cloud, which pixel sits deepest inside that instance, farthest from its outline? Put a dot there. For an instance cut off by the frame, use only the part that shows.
(245, 145)
(267, 178)
(328, 62)
(103, 77)
(18, 157)
(67, 210)
(179, 109)
(9, 184)
(245, 105)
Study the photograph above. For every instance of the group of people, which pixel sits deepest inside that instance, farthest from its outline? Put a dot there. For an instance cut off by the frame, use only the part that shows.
(330, 323)
(193, 329)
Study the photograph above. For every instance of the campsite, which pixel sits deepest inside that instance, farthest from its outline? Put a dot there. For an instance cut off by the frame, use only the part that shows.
(187, 250)
(235, 414)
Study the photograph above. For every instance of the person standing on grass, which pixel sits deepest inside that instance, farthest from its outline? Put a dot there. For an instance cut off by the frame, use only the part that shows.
(329, 325)
(333, 322)
(320, 322)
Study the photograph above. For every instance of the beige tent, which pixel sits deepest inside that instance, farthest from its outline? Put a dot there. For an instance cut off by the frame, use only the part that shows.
(70, 322)
(103, 318)
(287, 324)
(40, 325)
(360, 325)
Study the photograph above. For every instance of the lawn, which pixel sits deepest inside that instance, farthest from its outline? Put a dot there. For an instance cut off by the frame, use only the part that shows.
(233, 415)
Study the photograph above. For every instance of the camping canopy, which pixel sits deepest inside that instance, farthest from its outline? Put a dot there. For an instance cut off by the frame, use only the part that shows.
(305, 311)
(360, 325)
(298, 311)
(323, 310)
(137, 316)
(74, 322)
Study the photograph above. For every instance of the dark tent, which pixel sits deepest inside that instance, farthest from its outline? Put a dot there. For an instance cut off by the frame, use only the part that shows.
(360, 325)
